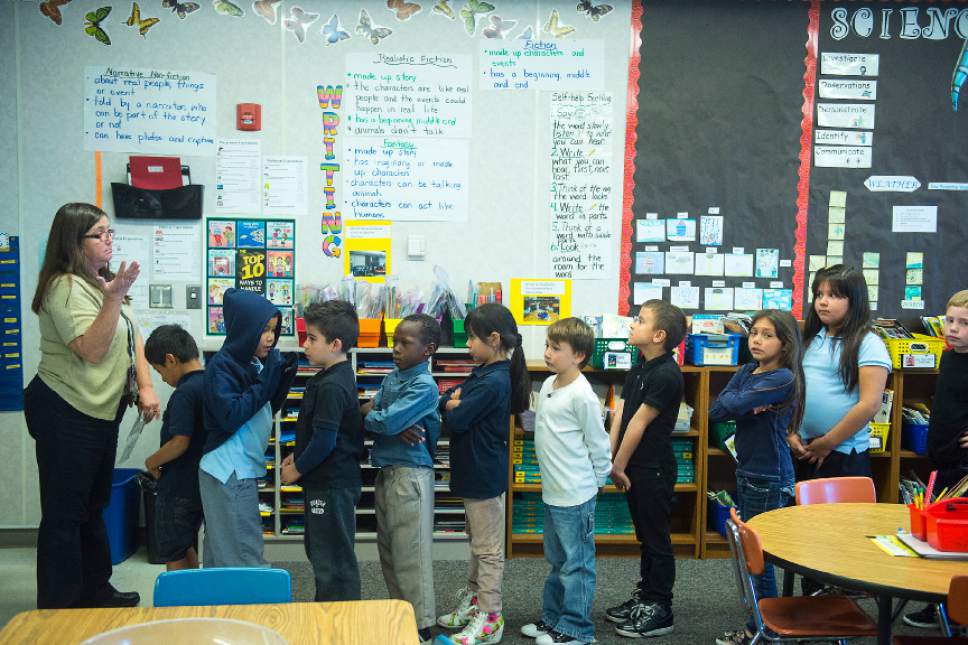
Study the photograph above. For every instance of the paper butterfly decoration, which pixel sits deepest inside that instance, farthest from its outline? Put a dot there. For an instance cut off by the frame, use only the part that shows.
(593, 12)
(51, 9)
(266, 9)
(553, 28)
(469, 14)
(527, 34)
(333, 31)
(367, 29)
(443, 8)
(181, 8)
(298, 22)
(228, 8)
(404, 9)
(136, 21)
(92, 24)
(499, 28)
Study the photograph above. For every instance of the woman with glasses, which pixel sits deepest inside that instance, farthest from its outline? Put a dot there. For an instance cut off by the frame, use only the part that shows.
(91, 368)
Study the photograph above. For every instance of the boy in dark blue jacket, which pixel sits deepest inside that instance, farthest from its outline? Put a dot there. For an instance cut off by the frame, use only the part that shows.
(241, 381)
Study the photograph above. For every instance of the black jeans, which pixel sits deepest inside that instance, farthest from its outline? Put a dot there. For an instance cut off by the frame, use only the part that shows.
(837, 464)
(75, 461)
(329, 539)
(650, 504)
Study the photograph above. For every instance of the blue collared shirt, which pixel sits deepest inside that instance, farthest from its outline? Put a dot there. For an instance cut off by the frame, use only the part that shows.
(406, 398)
(244, 453)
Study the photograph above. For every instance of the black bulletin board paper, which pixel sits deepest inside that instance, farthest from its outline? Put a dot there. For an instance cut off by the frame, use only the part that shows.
(719, 124)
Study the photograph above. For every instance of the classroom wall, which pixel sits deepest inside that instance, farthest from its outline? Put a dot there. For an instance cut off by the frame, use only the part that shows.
(506, 230)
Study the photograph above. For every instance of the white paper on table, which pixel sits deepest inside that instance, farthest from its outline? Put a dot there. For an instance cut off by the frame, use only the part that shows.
(915, 219)
(747, 299)
(176, 253)
(650, 230)
(718, 298)
(710, 264)
(679, 263)
(642, 291)
(738, 265)
(685, 297)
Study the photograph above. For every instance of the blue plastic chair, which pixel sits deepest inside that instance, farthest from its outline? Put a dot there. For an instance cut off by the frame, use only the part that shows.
(228, 586)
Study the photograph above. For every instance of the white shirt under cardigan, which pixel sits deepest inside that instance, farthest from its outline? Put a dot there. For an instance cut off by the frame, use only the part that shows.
(570, 442)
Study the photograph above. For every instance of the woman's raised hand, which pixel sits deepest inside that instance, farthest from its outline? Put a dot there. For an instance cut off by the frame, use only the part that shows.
(123, 279)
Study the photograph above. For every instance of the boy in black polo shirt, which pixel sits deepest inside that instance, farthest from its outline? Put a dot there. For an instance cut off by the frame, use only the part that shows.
(178, 508)
(329, 446)
(645, 466)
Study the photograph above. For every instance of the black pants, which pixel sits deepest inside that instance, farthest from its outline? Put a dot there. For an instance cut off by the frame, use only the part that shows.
(837, 464)
(329, 540)
(75, 461)
(650, 504)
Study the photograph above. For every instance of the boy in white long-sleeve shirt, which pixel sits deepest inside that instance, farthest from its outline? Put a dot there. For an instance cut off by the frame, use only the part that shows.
(574, 456)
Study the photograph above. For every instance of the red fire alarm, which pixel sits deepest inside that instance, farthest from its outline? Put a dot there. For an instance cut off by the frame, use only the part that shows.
(248, 116)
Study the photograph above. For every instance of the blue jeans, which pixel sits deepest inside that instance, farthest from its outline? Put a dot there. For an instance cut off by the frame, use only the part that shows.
(569, 547)
(757, 495)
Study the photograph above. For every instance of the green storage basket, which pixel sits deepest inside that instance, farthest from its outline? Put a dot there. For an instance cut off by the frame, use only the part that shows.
(719, 432)
(603, 345)
(460, 336)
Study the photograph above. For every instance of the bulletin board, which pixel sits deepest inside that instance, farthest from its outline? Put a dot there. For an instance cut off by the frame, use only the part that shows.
(729, 125)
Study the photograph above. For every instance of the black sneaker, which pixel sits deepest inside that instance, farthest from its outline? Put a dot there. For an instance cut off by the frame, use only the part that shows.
(646, 621)
(425, 635)
(927, 618)
(622, 613)
(535, 629)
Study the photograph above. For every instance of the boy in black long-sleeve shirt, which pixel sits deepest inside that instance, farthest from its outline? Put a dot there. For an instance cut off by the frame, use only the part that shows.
(948, 429)
(329, 446)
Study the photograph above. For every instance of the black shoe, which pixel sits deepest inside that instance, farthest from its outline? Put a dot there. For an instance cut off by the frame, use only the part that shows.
(535, 629)
(622, 613)
(927, 618)
(647, 620)
(424, 635)
(120, 599)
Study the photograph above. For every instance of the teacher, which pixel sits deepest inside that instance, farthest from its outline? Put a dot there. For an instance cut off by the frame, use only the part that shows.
(92, 366)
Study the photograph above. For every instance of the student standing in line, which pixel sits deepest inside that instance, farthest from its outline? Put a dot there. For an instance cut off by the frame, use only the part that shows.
(574, 457)
(329, 446)
(644, 465)
(241, 381)
(846, 367)
(404, 419)
(948, 429)
(765, 398)
(477, 416)
(172, 352)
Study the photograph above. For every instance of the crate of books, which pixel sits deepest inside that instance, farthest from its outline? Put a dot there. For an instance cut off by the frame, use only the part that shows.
(907, 349)
(878, 437)
(613, 353)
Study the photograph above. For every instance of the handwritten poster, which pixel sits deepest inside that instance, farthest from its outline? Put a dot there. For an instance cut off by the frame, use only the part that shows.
(581, 185)
(541, 65)
(149, 111)
(408, 95)
(406, 179)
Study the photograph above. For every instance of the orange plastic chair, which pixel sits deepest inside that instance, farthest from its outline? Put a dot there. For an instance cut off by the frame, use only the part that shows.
(837, 490)
(957, 610)
(789, 619)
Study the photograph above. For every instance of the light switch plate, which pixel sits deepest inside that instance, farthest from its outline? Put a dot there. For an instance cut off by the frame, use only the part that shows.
(193, 296)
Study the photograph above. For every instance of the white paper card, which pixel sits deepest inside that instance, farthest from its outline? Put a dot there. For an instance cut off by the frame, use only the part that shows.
(837, 88)
(642, 291)
(679, 263)
(845, 115)
(843, 137)
(915, 219)
(718, 299)
(748, 299)
(709, 263)
(681, 230)
(650, 230)
(843, 64)
(842, 156)
(685, 297)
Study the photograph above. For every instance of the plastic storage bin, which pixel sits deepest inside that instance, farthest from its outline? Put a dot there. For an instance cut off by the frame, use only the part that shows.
(369, 332)
(713, 349)
(611, 346)
(460, 335)
(390, 325)
(718, 514)
(121, 514)
(878, 437)
(915, 437)
(918, 528)
(946, 524)
(920, 352)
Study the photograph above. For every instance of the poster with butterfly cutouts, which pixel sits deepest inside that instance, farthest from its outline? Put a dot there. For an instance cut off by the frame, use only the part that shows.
(141, 24)
(255, 255)
(299, 21)
(93, 24)
(268, 9)
(52, 9)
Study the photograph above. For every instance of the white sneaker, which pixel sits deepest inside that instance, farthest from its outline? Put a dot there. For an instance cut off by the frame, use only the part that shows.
(535, 629)
(466, 606)
(482, 629)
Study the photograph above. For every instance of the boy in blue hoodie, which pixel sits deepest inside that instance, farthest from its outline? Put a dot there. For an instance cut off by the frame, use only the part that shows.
(403, 416)
(241, 382)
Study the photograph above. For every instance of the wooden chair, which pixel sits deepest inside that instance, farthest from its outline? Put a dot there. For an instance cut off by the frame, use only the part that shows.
(784, 619)
(957, 609)
(836, 490)
(222, 586)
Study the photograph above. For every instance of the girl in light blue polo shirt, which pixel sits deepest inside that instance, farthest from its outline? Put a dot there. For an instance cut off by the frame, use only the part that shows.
(846, 367)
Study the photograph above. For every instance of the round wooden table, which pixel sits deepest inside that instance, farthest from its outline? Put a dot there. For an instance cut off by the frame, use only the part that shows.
(829, 543)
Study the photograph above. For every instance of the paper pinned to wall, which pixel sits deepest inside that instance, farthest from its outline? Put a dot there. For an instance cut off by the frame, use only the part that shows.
(149, 111)
(738, 265)
(845, 64)
(283, 186)
(837, 88)
(914, 219)
(526, 64)
(176, 249)
(132, 244)
(718, 299)
(845, 115)
(747, 299)
(685, 297)
(767, 263)
(642, 291)
(238, 163)
(650, 230)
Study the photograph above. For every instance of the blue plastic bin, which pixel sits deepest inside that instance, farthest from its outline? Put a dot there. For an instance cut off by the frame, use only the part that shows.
(915, 437)
(121, 514)
(713, 349)
(718, 514)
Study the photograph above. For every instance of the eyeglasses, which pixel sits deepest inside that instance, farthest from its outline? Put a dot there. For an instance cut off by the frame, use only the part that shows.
(104, 236)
